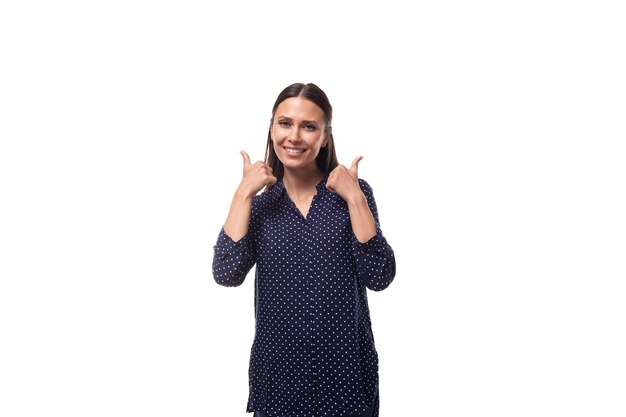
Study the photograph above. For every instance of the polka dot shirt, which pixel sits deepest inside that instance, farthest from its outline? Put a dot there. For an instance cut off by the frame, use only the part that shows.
(313, 353)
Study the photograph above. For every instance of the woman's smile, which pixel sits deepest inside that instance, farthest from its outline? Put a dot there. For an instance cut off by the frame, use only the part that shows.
(295, 152)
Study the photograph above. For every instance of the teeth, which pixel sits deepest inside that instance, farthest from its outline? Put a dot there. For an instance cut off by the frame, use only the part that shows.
(290, 150)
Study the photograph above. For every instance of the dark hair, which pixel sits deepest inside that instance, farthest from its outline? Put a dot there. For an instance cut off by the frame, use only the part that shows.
(326, 159)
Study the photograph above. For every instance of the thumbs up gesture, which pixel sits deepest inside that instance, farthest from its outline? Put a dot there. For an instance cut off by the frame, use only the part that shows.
(255, 176)
(344, 181)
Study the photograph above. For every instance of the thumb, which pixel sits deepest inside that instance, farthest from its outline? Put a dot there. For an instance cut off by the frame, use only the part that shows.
(355, 164)
(246, 157)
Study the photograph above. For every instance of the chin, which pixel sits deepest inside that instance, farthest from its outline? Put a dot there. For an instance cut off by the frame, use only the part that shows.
(298, 164)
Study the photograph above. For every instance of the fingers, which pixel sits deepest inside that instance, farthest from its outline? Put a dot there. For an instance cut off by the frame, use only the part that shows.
(246, 157)
(355, 164)
(330, 181)
(267, 171)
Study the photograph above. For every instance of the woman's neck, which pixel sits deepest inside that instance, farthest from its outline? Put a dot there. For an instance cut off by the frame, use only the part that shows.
(301, 183)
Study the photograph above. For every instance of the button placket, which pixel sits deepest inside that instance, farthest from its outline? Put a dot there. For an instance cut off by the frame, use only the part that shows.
(311, 313)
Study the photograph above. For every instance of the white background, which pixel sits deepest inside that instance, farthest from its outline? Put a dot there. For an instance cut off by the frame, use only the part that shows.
(493, 137)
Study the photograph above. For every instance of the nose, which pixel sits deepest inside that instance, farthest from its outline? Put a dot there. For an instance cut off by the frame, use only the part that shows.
(294, 135)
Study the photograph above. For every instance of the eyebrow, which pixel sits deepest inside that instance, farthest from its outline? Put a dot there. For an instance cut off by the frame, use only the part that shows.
(303, 122)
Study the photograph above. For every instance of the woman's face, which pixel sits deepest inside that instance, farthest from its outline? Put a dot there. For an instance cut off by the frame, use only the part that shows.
(298, 132)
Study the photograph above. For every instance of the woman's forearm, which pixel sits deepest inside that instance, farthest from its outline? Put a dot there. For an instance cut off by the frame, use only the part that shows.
(236, 225)
(361, 217)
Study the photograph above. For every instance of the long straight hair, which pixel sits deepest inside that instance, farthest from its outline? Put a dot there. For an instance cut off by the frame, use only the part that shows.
(326, 159)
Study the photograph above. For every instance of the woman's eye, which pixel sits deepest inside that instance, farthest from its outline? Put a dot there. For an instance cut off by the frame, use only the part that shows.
(309, 127)
(283, 123)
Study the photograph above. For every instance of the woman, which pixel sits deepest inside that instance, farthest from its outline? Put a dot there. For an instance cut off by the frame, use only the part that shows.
(315, 238)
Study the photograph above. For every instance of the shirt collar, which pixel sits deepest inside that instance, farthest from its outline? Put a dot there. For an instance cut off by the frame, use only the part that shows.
(279, 187)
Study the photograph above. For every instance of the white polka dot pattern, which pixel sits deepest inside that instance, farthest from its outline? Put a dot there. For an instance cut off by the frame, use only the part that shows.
(313, 353)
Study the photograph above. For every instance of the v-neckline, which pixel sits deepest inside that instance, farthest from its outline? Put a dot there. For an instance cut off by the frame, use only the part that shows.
(293, 203)
(318, 188)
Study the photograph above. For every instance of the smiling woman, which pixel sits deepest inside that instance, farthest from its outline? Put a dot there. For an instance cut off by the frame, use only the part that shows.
(315, 237)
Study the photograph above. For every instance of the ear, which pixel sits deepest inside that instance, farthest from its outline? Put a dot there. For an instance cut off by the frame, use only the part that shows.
(328, 136)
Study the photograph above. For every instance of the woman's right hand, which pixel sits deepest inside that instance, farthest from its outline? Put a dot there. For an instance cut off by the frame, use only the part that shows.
(255, 176)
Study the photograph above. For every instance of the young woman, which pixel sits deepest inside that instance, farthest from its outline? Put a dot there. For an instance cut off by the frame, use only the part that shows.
(316, 240)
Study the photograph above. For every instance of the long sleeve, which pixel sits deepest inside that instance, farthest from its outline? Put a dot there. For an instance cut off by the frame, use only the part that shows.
(232, 260)
(375, 260)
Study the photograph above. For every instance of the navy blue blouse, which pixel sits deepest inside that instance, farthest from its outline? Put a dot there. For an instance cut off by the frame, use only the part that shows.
(313, 353)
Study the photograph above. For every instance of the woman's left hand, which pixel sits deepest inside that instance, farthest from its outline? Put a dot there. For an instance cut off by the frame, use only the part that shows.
(344, 181)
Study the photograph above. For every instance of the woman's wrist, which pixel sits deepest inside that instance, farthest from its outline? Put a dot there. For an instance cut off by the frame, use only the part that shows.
(242, 194)
(357, 199)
